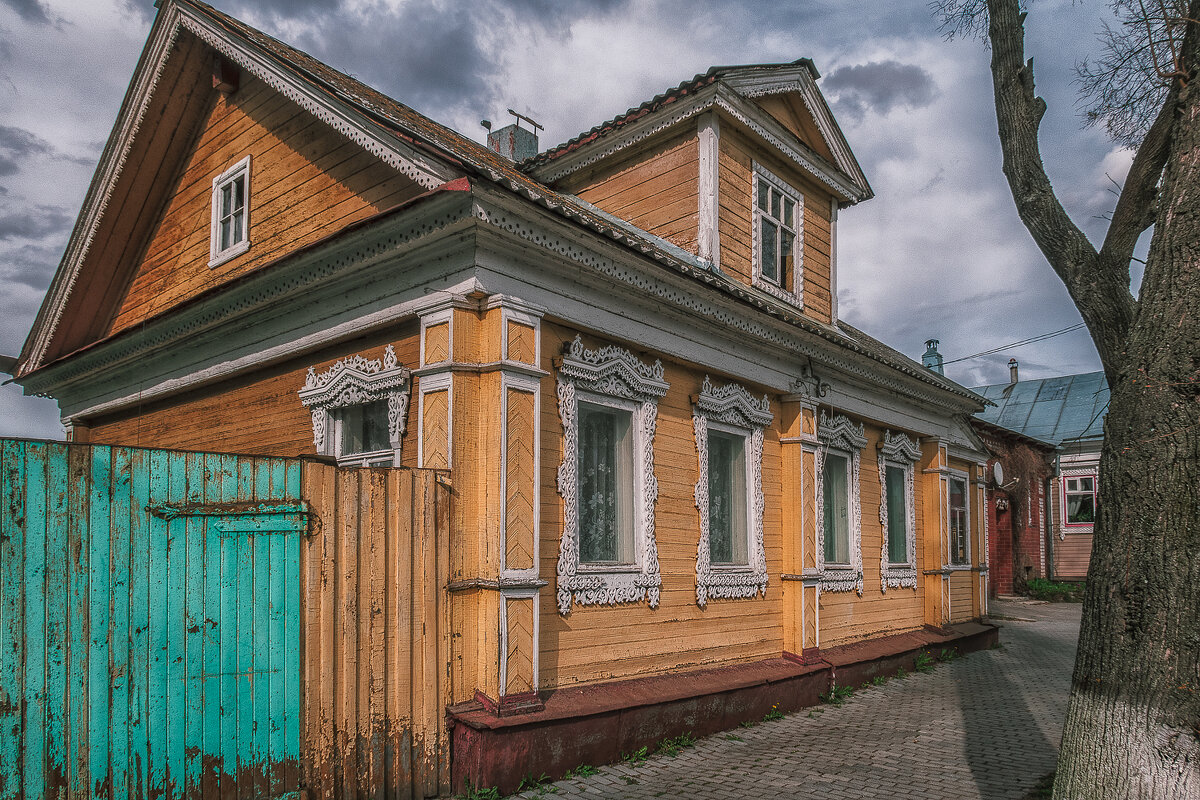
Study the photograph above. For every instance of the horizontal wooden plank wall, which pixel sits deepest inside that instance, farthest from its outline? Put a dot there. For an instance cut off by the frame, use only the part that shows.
(306, 181)
(374, 574)
(145, 655)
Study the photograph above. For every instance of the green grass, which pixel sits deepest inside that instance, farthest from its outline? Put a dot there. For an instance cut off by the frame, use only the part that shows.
(879, 680)
(837, 695)
(947, 654)
(924, 662)
(582, 771)
(637, 757)
(477, 793)
(734, 738)
(672, 747)
(530, 782)
(773, 714)
(1054, 591)
(747, 724)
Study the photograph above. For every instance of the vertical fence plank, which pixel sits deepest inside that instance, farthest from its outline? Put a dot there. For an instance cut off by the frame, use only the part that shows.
(33, 716)
(195, 628)
(12, 618)
(254, 482)
(119, 639)
(139, 623)
(223, 754)
(158, 621)
(79, 621)
(278, 643)
(176, 625)
(399, 632)
(286, 482)
(440, 531)
(57, 614)
(99, 602)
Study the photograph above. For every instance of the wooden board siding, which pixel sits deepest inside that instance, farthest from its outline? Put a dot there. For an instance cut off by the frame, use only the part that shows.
(518, 614)
(846, 617)
(437, 343)
(737, 153)
(521, 343)
(789, 110)
(306, 182)
(519, 481)
(962, 591)
(435, 429)
(1072, 554)
(374, 571)
(596, 643)
(656, 189)
(259, 414)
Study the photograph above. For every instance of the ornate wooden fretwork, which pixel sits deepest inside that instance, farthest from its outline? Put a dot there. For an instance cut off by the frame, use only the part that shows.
(839, 433)
(900, 451)
(355, 381)
(614, 372)
(731, 405)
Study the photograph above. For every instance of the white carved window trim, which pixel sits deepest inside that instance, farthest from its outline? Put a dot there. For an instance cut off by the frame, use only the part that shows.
(796, 295)
(357, 381)
(731, 408)
(593, 375)
(840, 434)
(897, 450)
(216, 254)
(958, 475)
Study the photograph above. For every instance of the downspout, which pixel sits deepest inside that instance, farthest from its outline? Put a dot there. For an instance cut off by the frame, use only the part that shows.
(1049, 512)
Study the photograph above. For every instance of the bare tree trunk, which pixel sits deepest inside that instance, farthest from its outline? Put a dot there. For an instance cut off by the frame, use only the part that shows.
(1133, 724)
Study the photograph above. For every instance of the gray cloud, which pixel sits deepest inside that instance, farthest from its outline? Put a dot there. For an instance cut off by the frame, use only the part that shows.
(32, 265)
(879, 86)
(17, 144)
(28, 10)
(37, 222)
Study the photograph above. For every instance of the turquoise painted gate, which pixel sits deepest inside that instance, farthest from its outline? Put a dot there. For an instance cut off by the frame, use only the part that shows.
(149, 623)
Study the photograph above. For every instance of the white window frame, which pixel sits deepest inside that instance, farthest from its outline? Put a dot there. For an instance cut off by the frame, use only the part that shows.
(838, 434)
(897, 450)
(608, 376)
(357, 381)
(959, 475)
(1066, 495)
(636, 487)
(217, 255)
(796, 294)
(731, 409)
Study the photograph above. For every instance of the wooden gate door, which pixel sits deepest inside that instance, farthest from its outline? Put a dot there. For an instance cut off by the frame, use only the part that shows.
(149, 623)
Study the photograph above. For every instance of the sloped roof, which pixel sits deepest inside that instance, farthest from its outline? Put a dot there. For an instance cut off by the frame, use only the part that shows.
(1058, 410)
(269, 58)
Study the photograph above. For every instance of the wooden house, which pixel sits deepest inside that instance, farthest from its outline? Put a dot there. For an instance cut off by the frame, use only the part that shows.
(1067, 413)
(678, 476)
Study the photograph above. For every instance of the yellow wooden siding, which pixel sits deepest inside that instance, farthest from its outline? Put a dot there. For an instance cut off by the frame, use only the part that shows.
(437, 343)
(790, 111)
(306, 182)
(519, 615)
(519, 480)
(962, 592)
(603, 642)
(259, 414)
(522, 344)
(737, 153)
(656, 189)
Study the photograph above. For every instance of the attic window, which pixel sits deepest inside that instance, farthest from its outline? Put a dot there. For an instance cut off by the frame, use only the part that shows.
(230, 213)
(778, 236)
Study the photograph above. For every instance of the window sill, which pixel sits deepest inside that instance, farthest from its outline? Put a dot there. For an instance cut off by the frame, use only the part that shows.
(229, 254)
(841, 578)
(778, 292)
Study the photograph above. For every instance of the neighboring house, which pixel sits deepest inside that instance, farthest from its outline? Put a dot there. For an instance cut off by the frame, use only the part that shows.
(1066, 412)
(667, 452)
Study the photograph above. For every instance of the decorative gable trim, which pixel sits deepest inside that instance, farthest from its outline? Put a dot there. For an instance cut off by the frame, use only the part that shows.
(731, 405)
(839, 433)
(903, 452)
(356, 381)
(609, 371)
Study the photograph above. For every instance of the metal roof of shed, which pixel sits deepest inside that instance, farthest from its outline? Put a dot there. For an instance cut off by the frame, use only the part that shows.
(1058, 410)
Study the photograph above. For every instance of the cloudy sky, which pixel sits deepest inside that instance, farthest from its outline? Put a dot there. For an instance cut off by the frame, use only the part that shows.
(939, 252)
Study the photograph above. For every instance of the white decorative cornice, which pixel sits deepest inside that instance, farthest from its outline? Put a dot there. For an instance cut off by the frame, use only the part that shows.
(902, 452)
(357, 381)
(839, 433)
(731, 405)
(614, 372)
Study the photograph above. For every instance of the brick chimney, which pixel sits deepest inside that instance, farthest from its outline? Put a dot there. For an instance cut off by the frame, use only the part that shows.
(1012, 370)
(932, 359)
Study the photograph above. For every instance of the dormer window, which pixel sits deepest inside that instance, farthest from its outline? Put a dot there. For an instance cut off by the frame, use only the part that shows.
(778, 236)
(230, 213)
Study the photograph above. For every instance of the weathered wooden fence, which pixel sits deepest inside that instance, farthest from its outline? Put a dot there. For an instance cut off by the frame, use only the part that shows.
(197, 624)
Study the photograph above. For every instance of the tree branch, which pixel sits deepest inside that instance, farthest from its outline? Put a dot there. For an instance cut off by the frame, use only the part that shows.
(1100, 292)
(1136, 205)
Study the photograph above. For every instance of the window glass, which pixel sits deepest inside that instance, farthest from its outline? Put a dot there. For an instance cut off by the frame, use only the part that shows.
(726, 498)
(365, 428)
(837, 512)
(770, 251)
(958, 521)
(776, 215)
(897, 515)
(605, 485)
(1081, 500)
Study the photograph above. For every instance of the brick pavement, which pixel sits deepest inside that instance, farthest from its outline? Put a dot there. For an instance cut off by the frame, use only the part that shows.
(984, 726)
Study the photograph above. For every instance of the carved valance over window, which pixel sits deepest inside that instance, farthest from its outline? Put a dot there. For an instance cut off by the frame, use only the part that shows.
(839, 523)
(728, 423)
(350, 402)
(898, 456)
(608, 402)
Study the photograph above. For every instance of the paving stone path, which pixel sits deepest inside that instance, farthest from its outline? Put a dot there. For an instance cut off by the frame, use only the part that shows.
(984, 726)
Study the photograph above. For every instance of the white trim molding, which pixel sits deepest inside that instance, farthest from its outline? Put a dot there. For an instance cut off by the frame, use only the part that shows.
(609, 372)
(897, 450)
(731, 407)
(839, 434)
(708, 236)
(355, 381)
(216, 254)
(795, 295)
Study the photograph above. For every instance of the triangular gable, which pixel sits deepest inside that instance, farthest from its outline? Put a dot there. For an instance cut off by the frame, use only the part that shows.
(162, 97)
